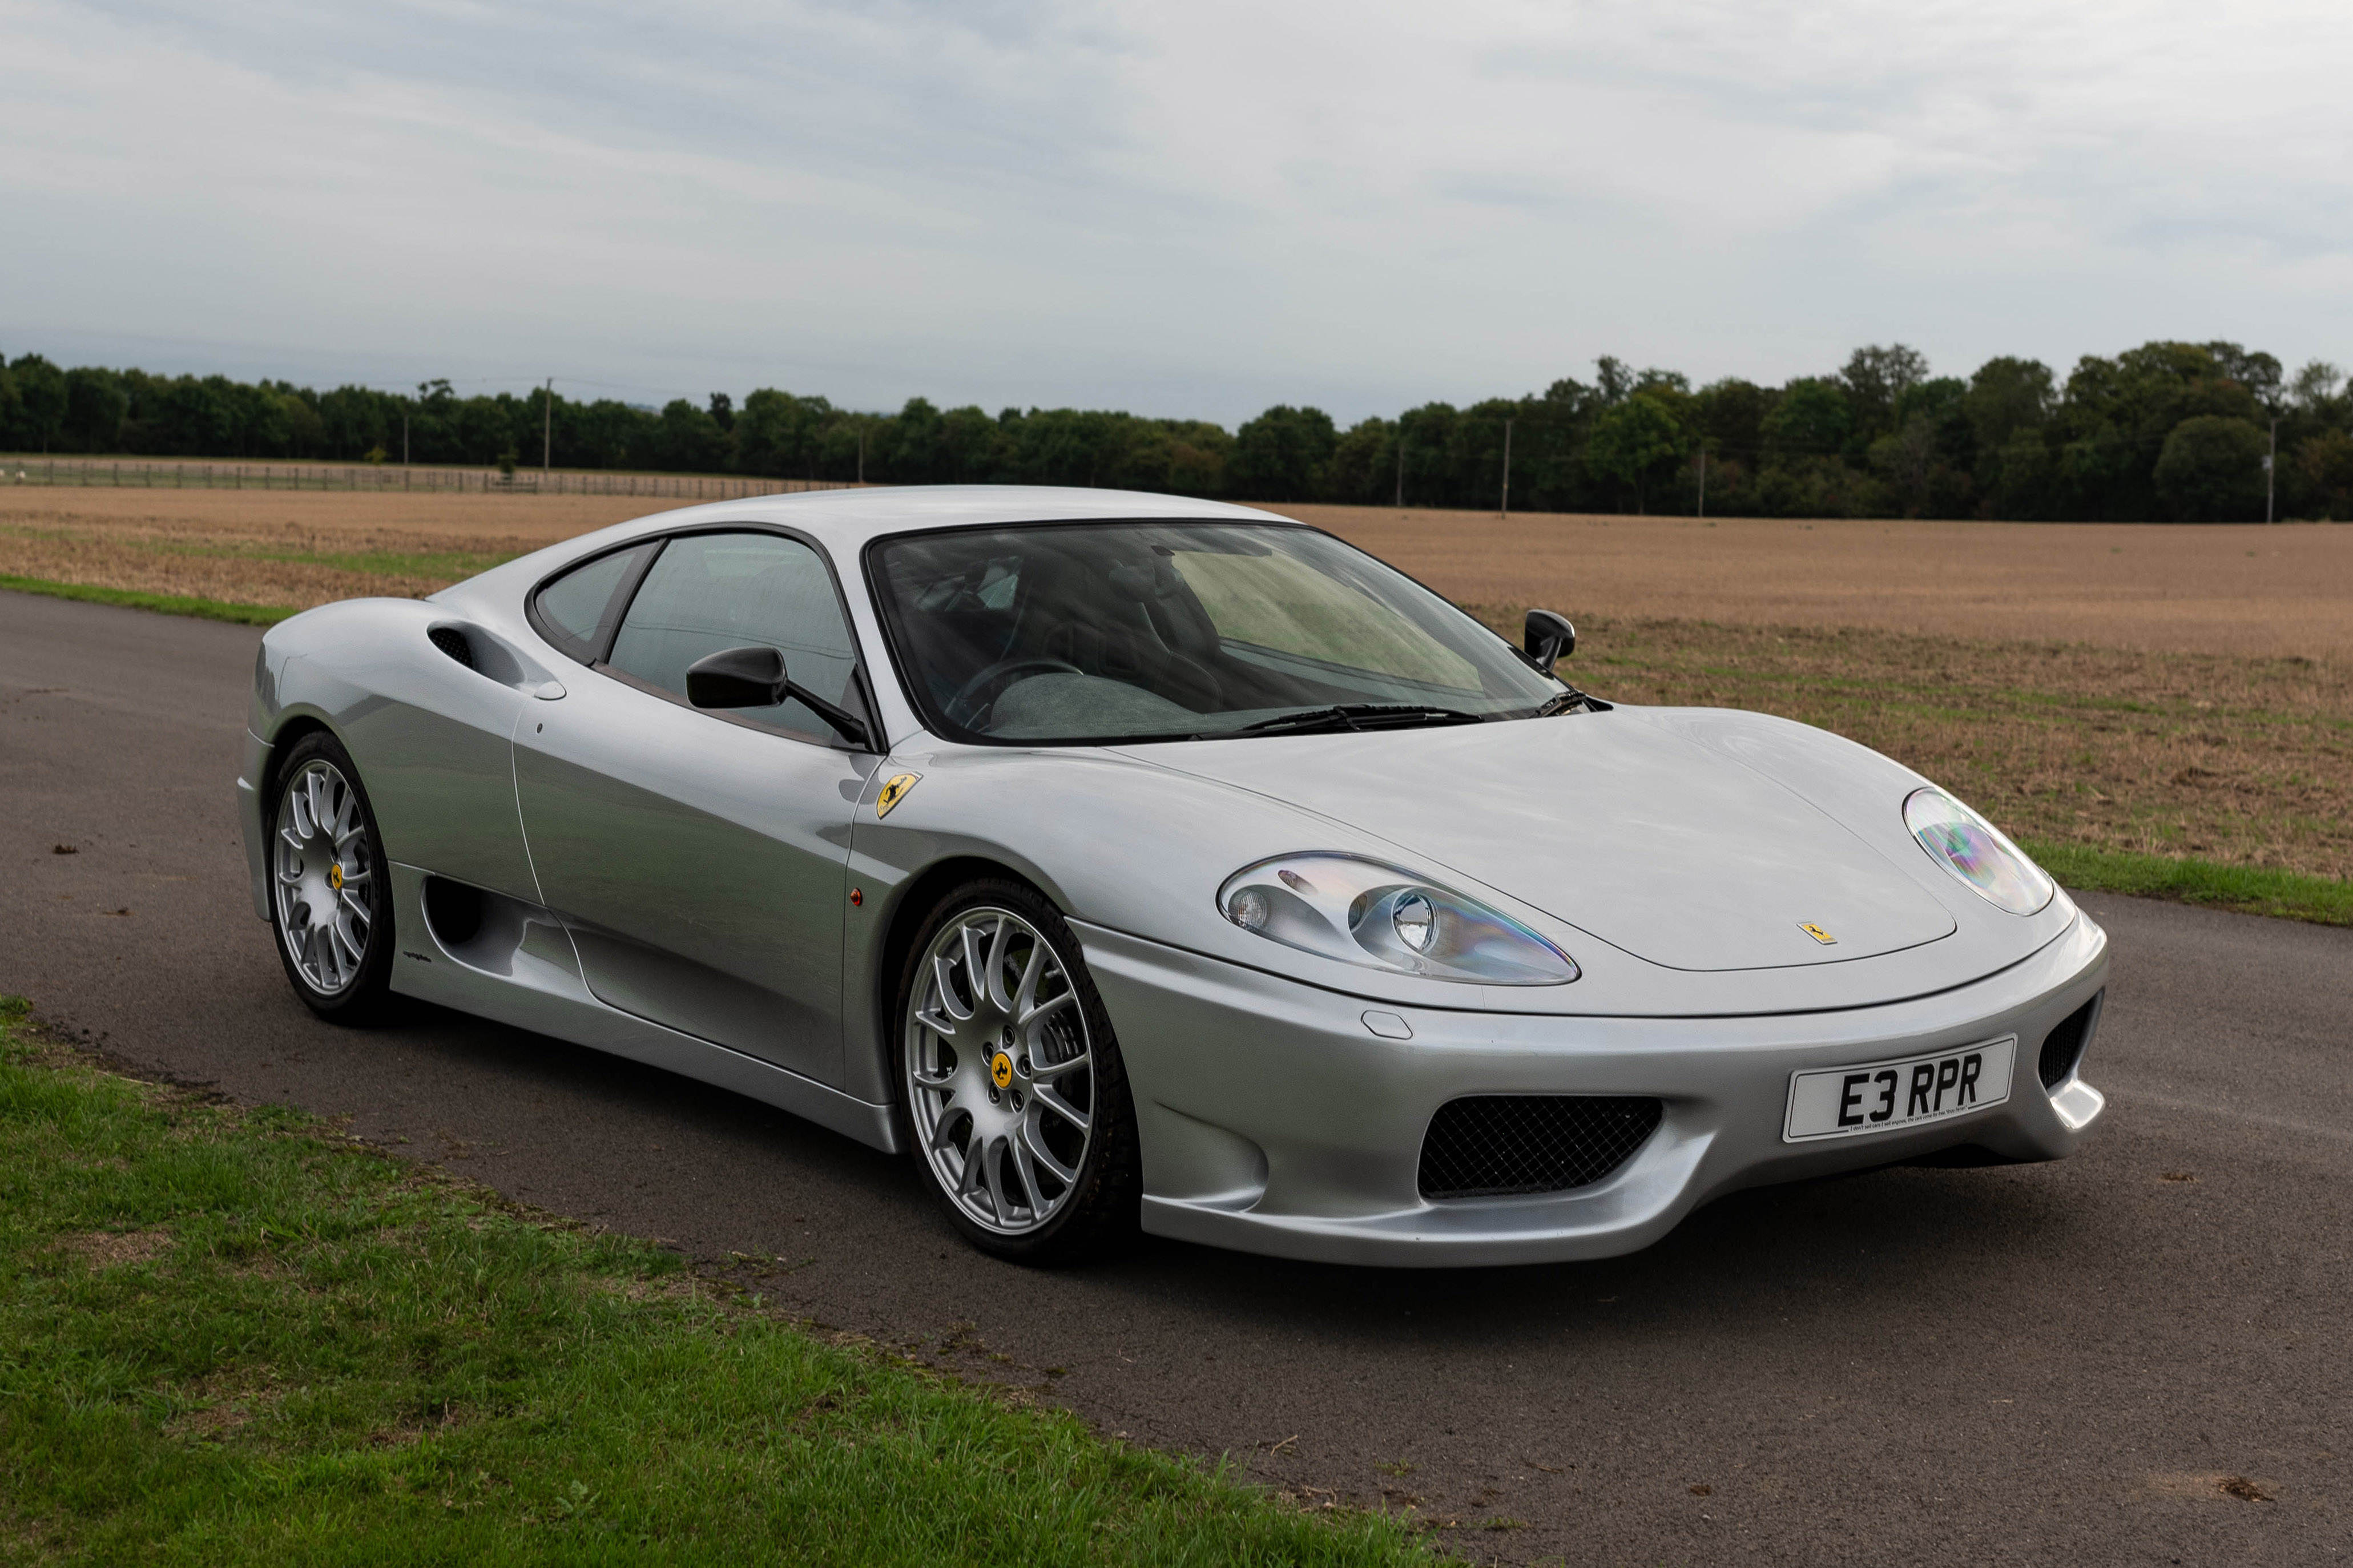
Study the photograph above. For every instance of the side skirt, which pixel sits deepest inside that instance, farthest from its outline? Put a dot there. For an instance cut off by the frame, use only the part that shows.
(518, 967)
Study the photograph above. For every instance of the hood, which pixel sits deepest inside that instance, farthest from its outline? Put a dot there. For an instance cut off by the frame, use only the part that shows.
(1657, 846)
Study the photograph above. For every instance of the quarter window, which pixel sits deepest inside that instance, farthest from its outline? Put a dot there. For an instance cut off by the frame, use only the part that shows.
(577, 611)
(710, 591)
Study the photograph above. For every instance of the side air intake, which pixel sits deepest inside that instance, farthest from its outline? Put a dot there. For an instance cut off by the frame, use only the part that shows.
(452, 641)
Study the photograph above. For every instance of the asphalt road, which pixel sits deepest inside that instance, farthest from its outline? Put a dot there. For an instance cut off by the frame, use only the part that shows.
(2047, 1363)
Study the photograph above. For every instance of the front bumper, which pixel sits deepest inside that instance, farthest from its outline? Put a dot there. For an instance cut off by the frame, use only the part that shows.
(253, 765)
(1274, 1120)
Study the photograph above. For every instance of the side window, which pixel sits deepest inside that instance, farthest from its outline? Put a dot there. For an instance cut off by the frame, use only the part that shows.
(715, 591)
(577, 611)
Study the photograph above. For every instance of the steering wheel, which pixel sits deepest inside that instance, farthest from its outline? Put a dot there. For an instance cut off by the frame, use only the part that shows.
(969, 703)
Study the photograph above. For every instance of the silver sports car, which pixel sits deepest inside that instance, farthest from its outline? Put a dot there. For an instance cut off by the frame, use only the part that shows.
(1140, 862)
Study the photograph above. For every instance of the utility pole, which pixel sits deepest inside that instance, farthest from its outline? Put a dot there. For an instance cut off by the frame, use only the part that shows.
(547, 431)
(2271, 464)
(1503, 501)
(1703, 479)
(1400, 490)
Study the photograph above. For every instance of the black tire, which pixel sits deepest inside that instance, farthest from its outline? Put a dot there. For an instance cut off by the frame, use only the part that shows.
(357, 993)
(1096, 1213)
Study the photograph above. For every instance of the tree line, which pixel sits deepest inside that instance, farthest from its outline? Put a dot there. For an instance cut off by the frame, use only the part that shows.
(2168, 431)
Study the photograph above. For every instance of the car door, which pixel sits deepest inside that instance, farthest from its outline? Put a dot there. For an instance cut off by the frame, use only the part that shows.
(700, 859)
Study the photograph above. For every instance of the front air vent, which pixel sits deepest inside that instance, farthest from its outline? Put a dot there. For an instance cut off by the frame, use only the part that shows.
(452, 641)
(1490, 1145)
(2062, 1047)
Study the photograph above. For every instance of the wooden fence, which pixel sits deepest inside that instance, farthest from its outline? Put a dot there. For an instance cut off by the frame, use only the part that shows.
(139, 474)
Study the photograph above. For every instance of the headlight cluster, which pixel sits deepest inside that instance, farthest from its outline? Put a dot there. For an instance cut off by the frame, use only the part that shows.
(1974, 849)
(1364, 912)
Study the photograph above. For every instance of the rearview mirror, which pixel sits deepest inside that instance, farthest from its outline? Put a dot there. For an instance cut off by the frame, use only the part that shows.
(1548, 638)
(738, 677)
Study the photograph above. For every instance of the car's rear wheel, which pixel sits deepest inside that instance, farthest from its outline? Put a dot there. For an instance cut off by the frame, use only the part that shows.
(329, 894)
(1016, 1101)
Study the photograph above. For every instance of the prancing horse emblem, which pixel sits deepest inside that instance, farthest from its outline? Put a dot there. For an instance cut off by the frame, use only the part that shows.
(893, 792)
(1817, 933)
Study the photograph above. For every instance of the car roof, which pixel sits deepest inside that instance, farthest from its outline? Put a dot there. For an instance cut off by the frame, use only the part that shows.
(846, 519)
(843, 521)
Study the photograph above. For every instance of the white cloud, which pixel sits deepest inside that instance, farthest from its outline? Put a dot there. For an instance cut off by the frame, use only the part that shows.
(1196, 210)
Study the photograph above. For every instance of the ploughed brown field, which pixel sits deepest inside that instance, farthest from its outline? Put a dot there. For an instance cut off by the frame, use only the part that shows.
(2204, 589)
(294, 548)
(2166, 689)
(2229, 590)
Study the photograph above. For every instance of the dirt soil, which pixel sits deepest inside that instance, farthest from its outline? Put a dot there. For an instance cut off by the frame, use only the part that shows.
(295, 549)
(2181, 588)
(2264, 592)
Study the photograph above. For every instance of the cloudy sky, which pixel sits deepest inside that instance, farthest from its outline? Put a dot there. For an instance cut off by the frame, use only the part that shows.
(1200, 208)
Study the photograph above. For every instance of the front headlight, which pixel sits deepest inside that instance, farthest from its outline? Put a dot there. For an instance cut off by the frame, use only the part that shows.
(1361, 912)
(1975, 850)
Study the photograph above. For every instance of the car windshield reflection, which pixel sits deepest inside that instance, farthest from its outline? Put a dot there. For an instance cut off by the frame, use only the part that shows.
(1085, 632)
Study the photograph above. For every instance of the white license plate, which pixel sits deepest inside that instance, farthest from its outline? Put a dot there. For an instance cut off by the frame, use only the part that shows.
(1880, 1097)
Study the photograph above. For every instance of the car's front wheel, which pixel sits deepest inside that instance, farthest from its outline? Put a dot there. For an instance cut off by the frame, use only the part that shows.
(331, 897)
(1015, 1098)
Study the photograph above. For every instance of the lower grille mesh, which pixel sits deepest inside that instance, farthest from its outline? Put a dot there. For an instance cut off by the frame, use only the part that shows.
(1491, 1144)
(2062, 1047)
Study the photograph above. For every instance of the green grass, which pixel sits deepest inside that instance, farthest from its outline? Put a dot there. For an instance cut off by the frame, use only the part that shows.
(230, 1337)
(2249, 890)
(450, 564)
(167, 604)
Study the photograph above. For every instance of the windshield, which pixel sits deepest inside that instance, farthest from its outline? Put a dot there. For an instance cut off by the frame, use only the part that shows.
(1093, 632)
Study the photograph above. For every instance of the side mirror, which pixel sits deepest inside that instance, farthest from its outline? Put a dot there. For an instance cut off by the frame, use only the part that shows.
(755, 678)
(738, 677)
(1548, 638)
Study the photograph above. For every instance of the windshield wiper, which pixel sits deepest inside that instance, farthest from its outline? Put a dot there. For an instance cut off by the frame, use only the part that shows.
(1358, 716)
(1571, 701)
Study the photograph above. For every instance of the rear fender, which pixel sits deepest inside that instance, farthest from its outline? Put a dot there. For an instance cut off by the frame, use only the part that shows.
(427, 703)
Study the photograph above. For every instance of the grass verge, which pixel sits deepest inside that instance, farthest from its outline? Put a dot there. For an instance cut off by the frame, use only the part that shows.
(2249, 890)
(229, 1336)
(446, 565)
(168, 603)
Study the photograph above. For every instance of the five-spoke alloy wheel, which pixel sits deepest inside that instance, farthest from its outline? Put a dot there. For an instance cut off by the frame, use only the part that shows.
(328, 900)
(1015, 1099)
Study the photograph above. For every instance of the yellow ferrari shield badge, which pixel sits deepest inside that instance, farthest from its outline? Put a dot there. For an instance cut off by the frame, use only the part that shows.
(895, 790)
(335, 876)
(1000, 1070)
(1817, 933)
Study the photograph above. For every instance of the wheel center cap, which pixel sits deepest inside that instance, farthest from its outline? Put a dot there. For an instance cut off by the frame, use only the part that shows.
(1000, 1070)
(335, 876)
